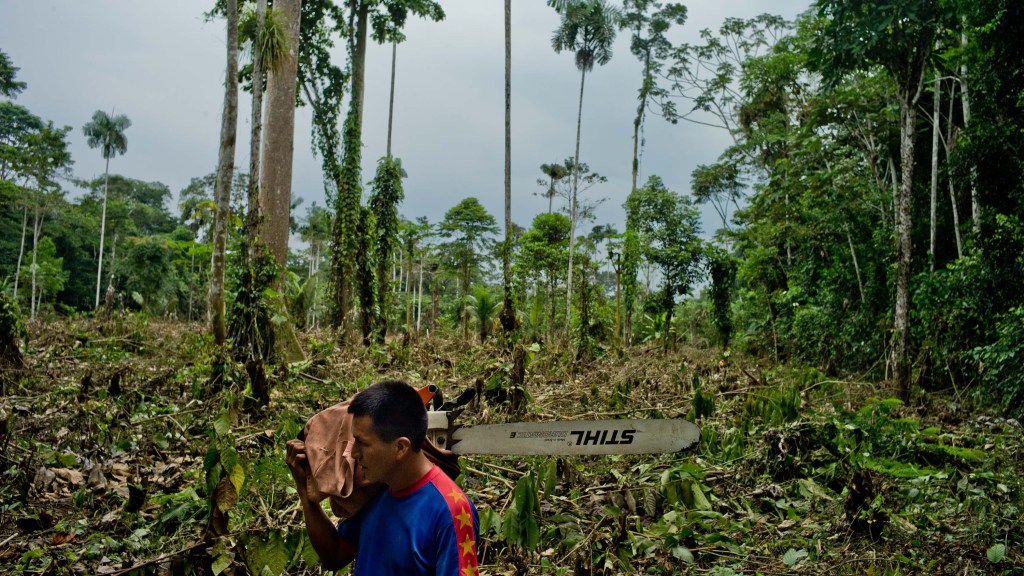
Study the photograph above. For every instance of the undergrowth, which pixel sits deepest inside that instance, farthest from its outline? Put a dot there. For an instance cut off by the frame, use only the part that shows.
(117, 456)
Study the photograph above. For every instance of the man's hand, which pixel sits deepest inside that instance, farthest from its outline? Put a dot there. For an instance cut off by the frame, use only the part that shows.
(298, 464)
(323, 534)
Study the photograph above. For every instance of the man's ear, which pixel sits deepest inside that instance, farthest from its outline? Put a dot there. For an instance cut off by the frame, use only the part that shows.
(403, 446)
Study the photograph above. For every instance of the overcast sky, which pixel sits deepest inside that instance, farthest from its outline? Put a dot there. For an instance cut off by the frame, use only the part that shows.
(162, 65)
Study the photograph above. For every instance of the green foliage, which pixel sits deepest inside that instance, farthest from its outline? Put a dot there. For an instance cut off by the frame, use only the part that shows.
(366, 280)
(520, 526)
(469, 229)
(587, 29)
(778, 406)
(345, 234)
(12, 334)
(147, 268)
(106, 132)
(9, 87)
(50, 273)
(1002, 362)
(723, 275)
(250, 306)
(667, 227)
(703, 405)
(384, 199)
(270, 39)
(541, 262)
(483, 306)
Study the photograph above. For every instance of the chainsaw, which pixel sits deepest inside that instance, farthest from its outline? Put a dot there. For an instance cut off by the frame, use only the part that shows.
(554, 438)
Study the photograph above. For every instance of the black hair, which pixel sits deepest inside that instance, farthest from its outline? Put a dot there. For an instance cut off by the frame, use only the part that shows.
(395, 410)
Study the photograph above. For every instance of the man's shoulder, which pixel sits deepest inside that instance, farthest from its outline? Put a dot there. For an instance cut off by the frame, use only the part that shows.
(447, 488)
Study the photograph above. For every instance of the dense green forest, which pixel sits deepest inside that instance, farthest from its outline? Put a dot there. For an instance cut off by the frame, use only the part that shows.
(850, 337)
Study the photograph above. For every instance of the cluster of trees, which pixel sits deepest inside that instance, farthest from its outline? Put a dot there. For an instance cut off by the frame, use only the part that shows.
(51, 246)
(845, 239)
(859, 246)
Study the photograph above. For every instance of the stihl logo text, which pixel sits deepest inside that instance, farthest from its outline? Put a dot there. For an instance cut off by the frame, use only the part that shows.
(602, 437)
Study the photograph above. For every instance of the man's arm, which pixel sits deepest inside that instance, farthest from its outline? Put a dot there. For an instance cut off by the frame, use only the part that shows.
(323, 534)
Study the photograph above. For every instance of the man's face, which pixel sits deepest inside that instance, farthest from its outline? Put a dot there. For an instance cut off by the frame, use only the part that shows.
(376, 457)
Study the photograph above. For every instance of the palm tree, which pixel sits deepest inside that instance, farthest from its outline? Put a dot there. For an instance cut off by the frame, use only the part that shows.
(482, 306)
(106, 132)
(555, 172)
(508, 313)
(588, 30)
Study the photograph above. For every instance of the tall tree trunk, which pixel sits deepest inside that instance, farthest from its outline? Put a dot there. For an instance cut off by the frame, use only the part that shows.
(103, 231)
(348, 200)
(856, 266)
(37, 227)
(276, 178)
(465, 312)
(933, 201)
(255, 212)
(904, 239)
(408, 292)
(552, 287)
(21, 252)
(225, 172)
(572, 210)
(419, 298)
(551, 195)
(639, 119)
(391, 100)
(508, 312)
(278, 139)
(952, 191)
(975, 201)
(435, 298)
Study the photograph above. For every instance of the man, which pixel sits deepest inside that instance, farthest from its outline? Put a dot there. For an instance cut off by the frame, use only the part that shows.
(423, 524)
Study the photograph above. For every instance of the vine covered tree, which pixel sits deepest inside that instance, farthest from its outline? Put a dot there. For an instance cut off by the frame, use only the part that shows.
(386, 195)
(386, 18)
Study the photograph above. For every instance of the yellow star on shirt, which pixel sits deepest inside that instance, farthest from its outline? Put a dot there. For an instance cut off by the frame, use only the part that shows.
(455, 495)
(467, 545)
(470, 571)
(464, 519)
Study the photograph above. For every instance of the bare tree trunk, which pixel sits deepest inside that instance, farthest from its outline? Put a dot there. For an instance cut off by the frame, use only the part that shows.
(391, 101)
(419, 299)
(255, 212)
(408, 293)
(103, 231)
(572, 210)
(276, 179)
(975, 201)
(508, 312)
(37, 227)
(222, 190)
(191, 285)
(435, 298)
(904, 244)
(465, 312)
(856, 266)
(21, 252)
(937, 95)
(278, 139)
(952, 191)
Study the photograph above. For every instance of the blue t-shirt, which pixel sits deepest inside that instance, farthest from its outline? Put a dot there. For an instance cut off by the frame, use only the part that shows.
(428, 529)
